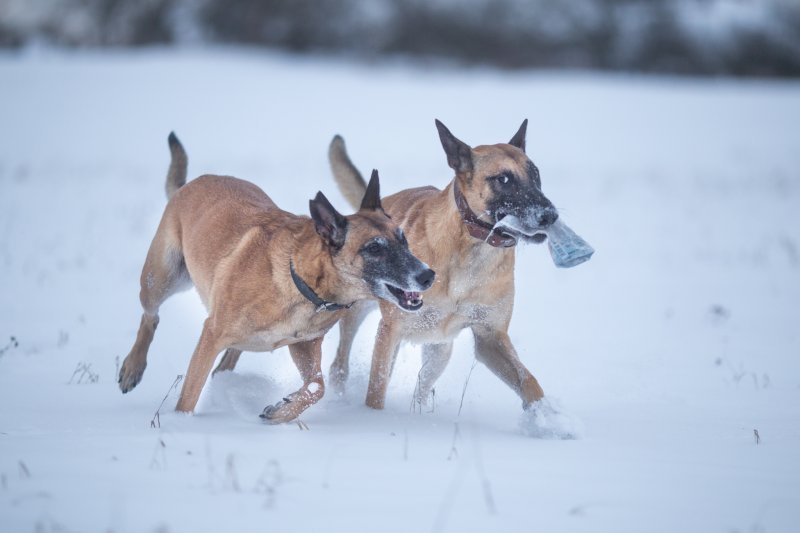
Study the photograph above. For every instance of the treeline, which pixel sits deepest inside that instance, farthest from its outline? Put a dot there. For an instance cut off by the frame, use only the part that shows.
(710, 37)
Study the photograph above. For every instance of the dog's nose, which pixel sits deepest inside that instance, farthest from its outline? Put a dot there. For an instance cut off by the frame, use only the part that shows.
(425, 278)
(546, 217)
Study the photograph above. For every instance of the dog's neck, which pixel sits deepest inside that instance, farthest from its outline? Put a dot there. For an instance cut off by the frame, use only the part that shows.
(476, 227)
(314, 276)
(310, 294)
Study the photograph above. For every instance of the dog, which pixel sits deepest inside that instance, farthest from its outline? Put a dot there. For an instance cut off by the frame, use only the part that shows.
(268, 278)
(454, 231)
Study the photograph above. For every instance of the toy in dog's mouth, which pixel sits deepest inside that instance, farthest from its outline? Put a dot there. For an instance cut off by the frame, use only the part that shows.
(566, 247)
(408, 300)
(536, 238)
(513, 226)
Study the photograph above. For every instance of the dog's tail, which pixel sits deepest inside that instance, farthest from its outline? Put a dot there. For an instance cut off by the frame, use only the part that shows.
(350, 181)
(176, 175)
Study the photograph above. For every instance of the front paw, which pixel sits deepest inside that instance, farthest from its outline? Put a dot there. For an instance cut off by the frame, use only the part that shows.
(285, 410)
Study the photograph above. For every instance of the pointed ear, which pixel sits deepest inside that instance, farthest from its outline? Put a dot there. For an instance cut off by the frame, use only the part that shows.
(518, 139)
(372, 197)
(459, 154)
(330, 225)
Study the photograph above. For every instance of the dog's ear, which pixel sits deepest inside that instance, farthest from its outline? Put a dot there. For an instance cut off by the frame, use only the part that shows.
(328, 222)
(459, 154)
(372, 196)
(518, 139)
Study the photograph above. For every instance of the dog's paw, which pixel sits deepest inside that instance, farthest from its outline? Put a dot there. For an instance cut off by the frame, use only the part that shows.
(285, 410)
(339, 389)
(269, 414)
(337, 382)
(544, 419)
(130, 375)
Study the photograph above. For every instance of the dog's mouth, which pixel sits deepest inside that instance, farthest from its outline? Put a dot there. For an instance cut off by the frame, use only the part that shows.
(536, 238)
(408, 300)
(512, 225)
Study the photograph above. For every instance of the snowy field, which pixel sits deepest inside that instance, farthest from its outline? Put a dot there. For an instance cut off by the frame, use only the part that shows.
(668, 349)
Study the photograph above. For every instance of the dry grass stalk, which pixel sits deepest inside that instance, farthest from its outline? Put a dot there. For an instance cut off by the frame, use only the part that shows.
(156, 421)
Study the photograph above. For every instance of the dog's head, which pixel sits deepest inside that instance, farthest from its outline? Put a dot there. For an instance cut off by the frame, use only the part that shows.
(500, 182)
(370, 251)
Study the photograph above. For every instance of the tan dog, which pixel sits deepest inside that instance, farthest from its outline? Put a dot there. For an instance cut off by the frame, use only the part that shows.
(267, 277)
(453, 231)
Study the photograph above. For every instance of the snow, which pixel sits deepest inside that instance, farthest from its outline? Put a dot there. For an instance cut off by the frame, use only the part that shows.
(663, 354)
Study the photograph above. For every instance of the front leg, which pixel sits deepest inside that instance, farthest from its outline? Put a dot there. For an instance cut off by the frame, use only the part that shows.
(434, 360)
(200, 365)
(307, 356)
(348, 327)
(493, 348)
(387, 342)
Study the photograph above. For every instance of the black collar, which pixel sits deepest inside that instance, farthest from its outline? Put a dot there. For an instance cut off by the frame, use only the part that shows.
(477, 227)
(312, 296)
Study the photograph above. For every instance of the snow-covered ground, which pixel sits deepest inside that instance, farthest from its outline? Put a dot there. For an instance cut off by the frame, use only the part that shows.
(668, 349)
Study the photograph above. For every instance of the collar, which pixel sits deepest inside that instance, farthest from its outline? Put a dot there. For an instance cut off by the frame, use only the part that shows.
(477, 227)
(312, 296)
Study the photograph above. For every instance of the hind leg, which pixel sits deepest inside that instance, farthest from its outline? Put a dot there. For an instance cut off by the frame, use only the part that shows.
(164, 274)
(434, 360)
(228, 362)
(210, 344)
(133, 367)
(348, 327)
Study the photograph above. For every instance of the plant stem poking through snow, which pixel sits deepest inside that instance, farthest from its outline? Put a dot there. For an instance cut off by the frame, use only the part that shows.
(24, 473)
(464, 392)
(156, 421)
(757, 436)
(269, 481)
(159, 459)
(453, 449)
(488, 496)
(84, 371)
(230, 473)
(12, 343)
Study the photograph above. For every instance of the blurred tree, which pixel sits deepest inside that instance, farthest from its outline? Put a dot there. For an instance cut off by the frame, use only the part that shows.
(739, 37)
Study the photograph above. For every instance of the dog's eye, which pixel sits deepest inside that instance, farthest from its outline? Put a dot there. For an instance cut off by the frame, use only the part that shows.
(374, 248)
(503, 179)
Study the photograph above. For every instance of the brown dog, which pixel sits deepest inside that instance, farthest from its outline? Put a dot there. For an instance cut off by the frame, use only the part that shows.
(453, 231)
(267, 277)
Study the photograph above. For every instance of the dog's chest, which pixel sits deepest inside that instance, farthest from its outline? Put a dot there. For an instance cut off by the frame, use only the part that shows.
(293, 330)
(465, 298)
(443, 319)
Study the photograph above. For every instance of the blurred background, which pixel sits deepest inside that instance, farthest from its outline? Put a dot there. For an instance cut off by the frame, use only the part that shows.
(666, 132)
(697, 37)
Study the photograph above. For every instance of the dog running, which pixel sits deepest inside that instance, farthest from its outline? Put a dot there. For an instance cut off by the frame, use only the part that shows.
(454, 230)
(268, 278)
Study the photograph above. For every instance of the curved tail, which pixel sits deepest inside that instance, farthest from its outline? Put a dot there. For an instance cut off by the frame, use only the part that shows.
(348, 178)
(176, 175)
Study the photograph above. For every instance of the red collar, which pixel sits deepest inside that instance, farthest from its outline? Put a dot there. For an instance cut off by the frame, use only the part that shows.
(477, 227)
